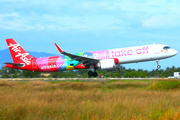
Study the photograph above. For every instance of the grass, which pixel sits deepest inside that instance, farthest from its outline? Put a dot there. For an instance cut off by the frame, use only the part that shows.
(165, 85)
(115, 100)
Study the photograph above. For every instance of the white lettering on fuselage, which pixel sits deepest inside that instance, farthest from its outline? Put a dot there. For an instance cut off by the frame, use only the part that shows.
(52, 66)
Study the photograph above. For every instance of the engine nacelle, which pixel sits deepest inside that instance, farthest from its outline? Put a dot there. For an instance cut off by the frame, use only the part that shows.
(108, 64)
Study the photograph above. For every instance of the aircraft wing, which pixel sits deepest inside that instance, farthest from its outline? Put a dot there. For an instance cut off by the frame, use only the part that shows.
(15, 64)
(85, 60)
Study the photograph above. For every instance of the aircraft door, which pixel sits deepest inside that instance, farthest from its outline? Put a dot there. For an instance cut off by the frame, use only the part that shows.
(34, 63)
(156, 49)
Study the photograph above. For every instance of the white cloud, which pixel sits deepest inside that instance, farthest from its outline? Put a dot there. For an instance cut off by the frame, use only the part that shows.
(12, 1)
(15, 21)
(83, 22)
(91, 15)
(14, 14)
(162, 21)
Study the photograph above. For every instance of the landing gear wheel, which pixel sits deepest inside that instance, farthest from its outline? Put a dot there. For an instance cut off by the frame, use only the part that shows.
(90, 73)
(158, 66)
(95, 74)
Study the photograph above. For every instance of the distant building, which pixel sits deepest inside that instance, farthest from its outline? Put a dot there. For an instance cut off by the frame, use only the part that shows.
(175, 75)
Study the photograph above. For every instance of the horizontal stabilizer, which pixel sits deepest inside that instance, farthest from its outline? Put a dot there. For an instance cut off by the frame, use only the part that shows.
(15, 64)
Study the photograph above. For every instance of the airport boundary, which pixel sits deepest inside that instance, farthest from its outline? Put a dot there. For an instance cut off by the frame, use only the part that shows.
(81, 79)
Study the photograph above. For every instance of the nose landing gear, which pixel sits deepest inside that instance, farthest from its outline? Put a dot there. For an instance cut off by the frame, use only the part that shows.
(158, 66)
(91, 73)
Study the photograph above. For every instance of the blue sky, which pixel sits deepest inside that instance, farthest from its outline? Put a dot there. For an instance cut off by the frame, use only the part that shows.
(90, 25)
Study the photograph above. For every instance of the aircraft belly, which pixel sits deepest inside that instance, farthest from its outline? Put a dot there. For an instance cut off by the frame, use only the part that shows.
(135, 58)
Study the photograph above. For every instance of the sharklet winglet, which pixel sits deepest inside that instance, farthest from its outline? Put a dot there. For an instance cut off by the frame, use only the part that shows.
(60, 50)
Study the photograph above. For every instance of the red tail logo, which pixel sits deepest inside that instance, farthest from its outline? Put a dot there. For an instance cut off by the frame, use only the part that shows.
(18, 54)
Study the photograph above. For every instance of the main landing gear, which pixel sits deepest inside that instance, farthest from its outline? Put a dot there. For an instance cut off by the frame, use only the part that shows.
(91, 73)
(158, 66)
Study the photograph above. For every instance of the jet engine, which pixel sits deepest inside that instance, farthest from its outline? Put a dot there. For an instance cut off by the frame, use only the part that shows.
(108, 64)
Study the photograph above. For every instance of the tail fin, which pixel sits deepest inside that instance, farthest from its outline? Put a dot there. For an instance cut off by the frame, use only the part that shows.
(19, 55)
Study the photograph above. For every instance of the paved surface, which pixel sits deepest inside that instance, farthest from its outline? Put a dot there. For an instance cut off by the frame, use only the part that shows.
(80, 79)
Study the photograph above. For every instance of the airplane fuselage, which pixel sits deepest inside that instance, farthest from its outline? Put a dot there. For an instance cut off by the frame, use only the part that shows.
(105, 59)
(122, 55)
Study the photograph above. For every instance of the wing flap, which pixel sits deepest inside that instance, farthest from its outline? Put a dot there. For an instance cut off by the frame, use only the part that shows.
(81, 59)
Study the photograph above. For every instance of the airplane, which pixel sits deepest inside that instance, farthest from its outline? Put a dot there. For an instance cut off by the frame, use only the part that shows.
(105, 59)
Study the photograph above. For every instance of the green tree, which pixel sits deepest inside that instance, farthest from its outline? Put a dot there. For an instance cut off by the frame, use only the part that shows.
(143, 74)
(9, 72)
(55, 74)
(30, 74)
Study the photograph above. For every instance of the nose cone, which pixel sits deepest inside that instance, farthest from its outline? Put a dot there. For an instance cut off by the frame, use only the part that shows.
(174, 52)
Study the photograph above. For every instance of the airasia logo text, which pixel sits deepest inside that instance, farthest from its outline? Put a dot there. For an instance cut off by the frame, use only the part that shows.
(16, 48)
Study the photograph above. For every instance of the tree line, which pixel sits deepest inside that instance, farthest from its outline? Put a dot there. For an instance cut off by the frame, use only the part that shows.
(123, 73)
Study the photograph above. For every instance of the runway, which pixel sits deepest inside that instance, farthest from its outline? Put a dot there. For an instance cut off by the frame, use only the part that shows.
(80, 79)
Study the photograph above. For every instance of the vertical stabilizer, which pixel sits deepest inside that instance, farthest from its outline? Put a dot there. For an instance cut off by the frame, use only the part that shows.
(19, 55)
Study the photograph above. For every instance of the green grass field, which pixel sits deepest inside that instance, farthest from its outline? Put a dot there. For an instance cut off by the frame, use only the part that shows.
(112, 100)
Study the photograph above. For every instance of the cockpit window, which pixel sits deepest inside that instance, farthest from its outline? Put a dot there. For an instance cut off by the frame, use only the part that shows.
(166, 48)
